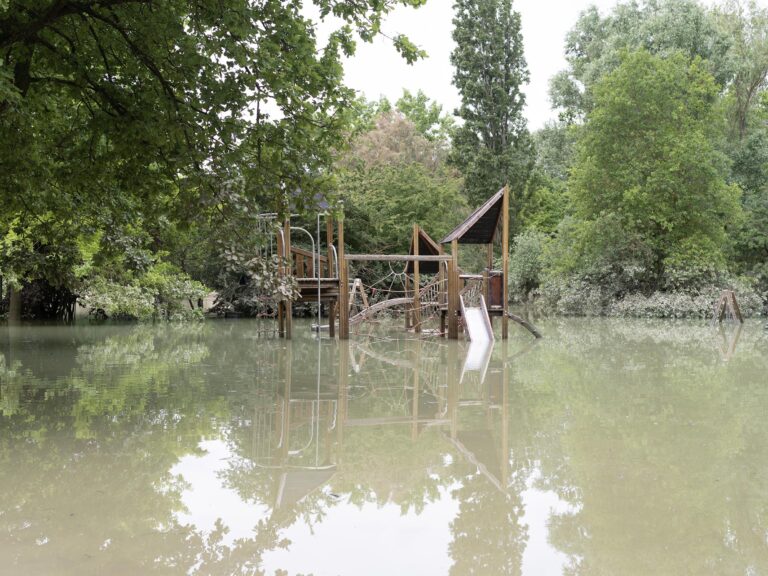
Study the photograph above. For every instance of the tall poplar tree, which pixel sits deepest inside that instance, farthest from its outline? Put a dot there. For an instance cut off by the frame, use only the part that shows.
(492, 147)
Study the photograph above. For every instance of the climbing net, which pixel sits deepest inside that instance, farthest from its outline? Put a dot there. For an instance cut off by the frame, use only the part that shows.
(394, 295)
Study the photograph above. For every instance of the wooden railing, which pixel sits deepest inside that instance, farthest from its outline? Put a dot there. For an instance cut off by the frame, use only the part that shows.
(472, 289)
(304, 264)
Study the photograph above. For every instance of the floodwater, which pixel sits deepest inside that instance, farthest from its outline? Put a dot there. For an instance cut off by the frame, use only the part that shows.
(607, 448)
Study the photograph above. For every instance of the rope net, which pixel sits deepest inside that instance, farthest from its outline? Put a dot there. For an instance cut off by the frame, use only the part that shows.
(393, 296)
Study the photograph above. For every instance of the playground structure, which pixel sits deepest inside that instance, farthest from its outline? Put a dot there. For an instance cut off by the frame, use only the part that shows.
(459, 299)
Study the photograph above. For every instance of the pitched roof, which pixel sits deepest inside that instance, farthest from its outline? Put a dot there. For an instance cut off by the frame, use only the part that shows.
(427, 247)
(480, 226)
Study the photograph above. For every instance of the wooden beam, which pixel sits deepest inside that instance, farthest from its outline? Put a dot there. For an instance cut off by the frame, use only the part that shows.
(416, 392)
(505, 386)
(330, 274)
(14, 307)
(288, 304)
(525, 324)
(441, 278)
(453, 292)
(505, 262)
(343, 286)
(416, 282)
(343, 380)
(396, 258)
(407, 293)
(281, 276)
(287, 362)
(452, 377)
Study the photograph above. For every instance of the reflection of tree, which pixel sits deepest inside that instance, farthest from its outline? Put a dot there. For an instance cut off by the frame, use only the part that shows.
(88, 455)
(488, 537)
(657, 443)
(660, 446)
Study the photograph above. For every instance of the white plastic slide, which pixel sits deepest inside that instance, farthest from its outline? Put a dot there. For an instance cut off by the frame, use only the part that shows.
(477, 322)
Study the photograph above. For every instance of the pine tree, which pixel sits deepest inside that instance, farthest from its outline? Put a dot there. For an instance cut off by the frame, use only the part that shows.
(492, 147)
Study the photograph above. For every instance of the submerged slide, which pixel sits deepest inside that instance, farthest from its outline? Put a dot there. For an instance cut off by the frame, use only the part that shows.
(477, 322)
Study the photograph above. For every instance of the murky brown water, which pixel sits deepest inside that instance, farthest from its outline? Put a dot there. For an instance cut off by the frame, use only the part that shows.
(608, 448)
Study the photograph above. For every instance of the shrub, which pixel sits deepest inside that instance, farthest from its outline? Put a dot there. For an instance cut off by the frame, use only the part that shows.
(113, 300)
(526, 263)
(163, 291)
(679, 304)
(575, 296)
(175, 293)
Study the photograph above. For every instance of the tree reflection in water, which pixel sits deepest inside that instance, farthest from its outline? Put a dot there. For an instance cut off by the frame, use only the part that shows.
(652, 435)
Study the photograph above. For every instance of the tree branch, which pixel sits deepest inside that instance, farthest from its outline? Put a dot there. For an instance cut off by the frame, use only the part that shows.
(15, 29)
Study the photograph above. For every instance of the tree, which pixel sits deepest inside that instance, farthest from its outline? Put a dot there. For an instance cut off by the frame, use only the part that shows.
(393, 177)
(647, 168)
(492, 147)
(594, 46)
(118, 114)
(750, 172)
(746, 26)
(427, 116)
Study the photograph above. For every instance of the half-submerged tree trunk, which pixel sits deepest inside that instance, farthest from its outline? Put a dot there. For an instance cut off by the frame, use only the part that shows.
(14, 308)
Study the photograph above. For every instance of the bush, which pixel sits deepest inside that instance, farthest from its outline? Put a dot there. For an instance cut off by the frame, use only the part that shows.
(571, 296)
(163, 291)
(577, 297)
(696, 263)
(680, 304)
(526, 263)
(175, 293)
(113, 300)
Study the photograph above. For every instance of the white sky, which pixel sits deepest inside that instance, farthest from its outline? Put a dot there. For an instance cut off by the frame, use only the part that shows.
(378, 70)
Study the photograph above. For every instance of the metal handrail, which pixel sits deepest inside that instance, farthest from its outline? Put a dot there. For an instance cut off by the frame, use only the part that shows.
(335, 260)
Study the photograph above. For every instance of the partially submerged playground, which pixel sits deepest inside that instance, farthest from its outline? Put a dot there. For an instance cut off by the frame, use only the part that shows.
(427, 282)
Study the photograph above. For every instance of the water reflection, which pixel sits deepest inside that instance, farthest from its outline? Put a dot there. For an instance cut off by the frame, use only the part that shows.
(608, 448)
(729, 339)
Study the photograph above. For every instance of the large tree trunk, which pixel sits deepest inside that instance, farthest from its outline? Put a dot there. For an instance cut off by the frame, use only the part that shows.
(14, 310)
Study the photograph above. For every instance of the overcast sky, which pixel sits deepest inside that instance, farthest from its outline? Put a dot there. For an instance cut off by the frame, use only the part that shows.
(378, 70)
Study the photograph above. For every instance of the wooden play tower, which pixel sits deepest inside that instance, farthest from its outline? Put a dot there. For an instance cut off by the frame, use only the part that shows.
(482, 227)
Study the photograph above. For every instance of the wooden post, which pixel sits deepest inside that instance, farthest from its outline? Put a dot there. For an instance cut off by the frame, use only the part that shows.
(487, 292)
(452, 366)
(343, 396)
(14, 309)
(343, 287)
(407, 294)
(330, 274)
(281, 278)
(287, 362)
(453, 292)
(287, 303)
(443, 299)
(441, 279)
(735, 310)
(416, 392)
(505, 384)
(416, 282)
(505, 263)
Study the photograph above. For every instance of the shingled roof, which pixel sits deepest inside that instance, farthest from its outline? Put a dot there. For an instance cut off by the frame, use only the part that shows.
(480, 226)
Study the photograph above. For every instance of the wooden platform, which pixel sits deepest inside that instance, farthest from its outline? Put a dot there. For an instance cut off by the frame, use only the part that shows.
(329, 289)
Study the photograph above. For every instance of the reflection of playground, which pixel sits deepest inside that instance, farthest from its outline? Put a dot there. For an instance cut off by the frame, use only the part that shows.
(299, 435)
